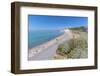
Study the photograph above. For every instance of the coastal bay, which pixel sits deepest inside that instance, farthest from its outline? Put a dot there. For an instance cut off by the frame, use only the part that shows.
(57, 37)
(48, 49)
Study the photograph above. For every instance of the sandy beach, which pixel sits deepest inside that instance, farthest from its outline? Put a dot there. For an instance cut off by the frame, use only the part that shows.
(48, 49)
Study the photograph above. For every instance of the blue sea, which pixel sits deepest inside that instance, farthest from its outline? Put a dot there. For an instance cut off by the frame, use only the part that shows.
(38, 37)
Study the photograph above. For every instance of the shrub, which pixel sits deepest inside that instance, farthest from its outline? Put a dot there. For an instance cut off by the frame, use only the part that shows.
(78, 53)
(74, 48)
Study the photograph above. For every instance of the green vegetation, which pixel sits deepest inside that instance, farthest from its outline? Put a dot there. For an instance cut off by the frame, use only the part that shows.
(75, 47)
(82, 28)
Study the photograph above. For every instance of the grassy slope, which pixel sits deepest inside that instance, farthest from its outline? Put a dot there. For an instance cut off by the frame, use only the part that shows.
(75, 47)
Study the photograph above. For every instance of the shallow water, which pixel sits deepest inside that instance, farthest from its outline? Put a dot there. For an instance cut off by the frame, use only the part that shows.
(38, 37)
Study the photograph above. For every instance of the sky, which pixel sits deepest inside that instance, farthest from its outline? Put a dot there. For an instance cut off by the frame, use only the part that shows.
(47, 22)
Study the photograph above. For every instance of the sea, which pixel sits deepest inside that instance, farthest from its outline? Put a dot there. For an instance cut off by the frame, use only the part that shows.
(38, 37)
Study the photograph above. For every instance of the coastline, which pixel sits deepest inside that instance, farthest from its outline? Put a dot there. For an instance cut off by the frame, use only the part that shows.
(47, 45)
(46, 40)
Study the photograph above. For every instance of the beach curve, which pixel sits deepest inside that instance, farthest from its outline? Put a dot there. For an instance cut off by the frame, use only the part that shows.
(48, 49)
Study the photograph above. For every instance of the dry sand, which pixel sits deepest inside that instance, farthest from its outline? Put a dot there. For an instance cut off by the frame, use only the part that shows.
(49, 45)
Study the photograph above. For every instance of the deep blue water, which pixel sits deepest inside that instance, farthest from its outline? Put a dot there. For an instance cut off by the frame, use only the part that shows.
(38, 37)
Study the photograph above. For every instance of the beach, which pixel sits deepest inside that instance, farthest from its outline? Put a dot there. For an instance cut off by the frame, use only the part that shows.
(48, 49)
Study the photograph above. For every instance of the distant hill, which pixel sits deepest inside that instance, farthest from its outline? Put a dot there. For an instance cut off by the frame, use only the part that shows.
(81, 28)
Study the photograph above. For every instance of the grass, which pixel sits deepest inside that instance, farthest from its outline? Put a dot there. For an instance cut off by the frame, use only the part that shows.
(75, 47)
(81, 28)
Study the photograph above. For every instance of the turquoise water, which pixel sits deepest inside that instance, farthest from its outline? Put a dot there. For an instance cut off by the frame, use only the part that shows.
(38, 37)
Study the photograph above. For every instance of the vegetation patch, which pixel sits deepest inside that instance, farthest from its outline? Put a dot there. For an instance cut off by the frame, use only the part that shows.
(75, 47)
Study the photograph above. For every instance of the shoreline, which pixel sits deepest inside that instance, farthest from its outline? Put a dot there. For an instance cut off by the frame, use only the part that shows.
(58, 40)
(46, 41)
